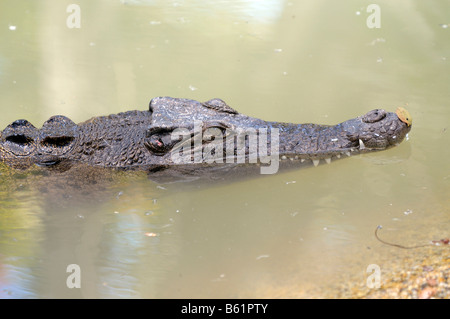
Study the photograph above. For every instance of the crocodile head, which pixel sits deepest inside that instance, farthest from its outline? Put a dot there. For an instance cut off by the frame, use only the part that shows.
(214, 133)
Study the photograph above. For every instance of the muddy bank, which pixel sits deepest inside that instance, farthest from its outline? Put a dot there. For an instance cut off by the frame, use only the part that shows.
(423, 275)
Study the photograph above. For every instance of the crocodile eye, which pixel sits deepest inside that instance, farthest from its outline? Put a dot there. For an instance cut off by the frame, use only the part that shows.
(159, 140)
(159, 143)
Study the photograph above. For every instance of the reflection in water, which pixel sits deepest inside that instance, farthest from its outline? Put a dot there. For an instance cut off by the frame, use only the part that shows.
(107, 222)
(261, 11)
(64, 50)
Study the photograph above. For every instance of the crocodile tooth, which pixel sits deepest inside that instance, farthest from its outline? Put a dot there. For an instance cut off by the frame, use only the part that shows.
(338, 155)
(347, 153)
(328, 160)
(283, 157)
(315, 162)
(302, 160)
(361, 145)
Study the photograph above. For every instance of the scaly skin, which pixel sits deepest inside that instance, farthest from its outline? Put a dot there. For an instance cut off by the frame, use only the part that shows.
(147, 140)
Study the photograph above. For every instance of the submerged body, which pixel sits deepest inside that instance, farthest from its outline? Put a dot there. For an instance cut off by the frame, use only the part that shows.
(187, 134)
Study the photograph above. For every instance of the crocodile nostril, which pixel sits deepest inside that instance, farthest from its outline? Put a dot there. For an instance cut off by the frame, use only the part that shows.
(374, 116)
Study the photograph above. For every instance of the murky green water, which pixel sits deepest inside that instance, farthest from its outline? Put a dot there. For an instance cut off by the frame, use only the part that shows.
(298, 234)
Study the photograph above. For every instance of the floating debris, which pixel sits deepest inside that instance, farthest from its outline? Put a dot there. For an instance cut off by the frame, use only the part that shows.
(444, 241)
(151, 234)
(404, 115)
(408, 212)
(377, 40)
(262, 256)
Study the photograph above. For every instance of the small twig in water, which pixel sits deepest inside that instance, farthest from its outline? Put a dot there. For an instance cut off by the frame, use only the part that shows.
(433, 242)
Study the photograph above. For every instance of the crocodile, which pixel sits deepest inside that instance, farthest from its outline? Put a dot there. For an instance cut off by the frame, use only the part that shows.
(176, 135)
